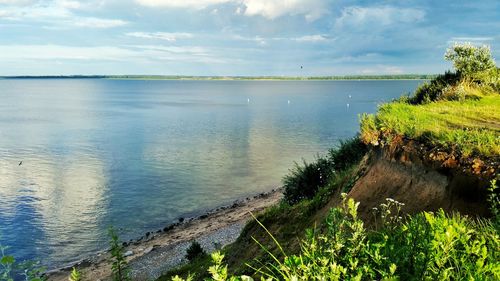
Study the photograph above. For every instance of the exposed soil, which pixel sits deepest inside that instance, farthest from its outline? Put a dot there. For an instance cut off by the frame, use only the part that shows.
(422, 186)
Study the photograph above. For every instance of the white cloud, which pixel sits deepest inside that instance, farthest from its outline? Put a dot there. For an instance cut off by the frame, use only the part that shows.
(167, 36)
(57, 15)
(371, 17)
(152, 53)
(53, 52)
(263, 41)
(382, 69)
(193, 4)
(311, 38)
(69, 4)
(97, 22)
(472, 39)
(271, 9)
(5, 15)
(17, 2)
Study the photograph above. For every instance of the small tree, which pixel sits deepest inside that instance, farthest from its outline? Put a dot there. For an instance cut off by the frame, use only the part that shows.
(119, 265)
(469, 59)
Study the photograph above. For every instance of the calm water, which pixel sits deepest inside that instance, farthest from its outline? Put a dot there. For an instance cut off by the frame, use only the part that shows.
(140, 154)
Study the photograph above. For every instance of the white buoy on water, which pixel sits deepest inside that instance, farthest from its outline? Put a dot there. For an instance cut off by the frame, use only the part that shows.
(350, 96)
(347, 105)
(248, 100)
(288, 101)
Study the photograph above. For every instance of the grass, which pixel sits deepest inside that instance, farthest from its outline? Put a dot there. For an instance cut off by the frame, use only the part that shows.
(472, 125)
(425, 246)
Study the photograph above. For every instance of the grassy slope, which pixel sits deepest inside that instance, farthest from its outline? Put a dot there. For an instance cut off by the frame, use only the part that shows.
(472, 126)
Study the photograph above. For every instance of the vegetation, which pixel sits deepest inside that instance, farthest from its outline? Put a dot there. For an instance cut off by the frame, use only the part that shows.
(75, 275)
(457, 111)
(471, 126)
(304, 181)
(469, 59)
(434, 89)
(426, 246)
(11, 270)
(195, 251)
(119, 264)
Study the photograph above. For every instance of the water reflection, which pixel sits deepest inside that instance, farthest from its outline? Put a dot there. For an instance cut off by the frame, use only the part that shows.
(139, 154)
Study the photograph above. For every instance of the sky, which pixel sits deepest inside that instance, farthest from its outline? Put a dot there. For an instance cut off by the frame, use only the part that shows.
(239, 37)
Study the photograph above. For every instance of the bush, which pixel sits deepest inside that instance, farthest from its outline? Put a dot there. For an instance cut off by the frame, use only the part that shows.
(194, 251)
(433, 90)
(304, 181)
(348, 153)
(426, 246)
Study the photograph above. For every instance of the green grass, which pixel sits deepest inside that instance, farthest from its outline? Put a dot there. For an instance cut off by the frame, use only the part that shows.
(425, 246)
(471, 125)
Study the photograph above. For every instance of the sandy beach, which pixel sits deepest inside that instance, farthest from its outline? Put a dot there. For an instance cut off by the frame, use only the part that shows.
(157, 252)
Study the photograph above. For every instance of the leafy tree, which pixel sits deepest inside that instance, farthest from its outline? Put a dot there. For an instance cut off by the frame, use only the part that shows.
(469, 59)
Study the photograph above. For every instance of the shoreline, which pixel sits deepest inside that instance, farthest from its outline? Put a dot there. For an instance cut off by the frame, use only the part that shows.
(157, 251)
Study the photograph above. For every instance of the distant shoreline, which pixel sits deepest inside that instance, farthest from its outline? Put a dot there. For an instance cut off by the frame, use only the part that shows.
(233, 78)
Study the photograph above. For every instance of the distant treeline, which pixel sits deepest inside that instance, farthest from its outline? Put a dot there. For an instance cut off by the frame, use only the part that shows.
(179, 77)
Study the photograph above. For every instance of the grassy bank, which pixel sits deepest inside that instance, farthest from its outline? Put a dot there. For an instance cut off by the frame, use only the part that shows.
(472, 125)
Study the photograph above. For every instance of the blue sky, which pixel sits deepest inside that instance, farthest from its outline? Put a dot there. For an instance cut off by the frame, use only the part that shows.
(239, 37)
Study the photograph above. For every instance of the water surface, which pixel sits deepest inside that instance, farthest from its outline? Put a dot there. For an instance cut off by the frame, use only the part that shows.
(140, 154)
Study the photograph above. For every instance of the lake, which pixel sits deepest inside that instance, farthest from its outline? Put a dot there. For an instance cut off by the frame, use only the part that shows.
(139, 154)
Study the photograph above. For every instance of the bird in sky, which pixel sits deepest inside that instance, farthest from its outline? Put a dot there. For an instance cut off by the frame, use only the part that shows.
(20, 163)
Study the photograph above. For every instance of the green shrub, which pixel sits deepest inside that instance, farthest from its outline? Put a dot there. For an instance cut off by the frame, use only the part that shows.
(426, 246)
(433, 90)
(304, 181)
(349, 152)
(194, 251)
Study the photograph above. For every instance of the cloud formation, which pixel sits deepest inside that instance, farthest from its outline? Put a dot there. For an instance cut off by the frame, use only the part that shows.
(239, 37)
(311, 9)
(167, 36)
(370, 17)
(190, 4)
(271, 9)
